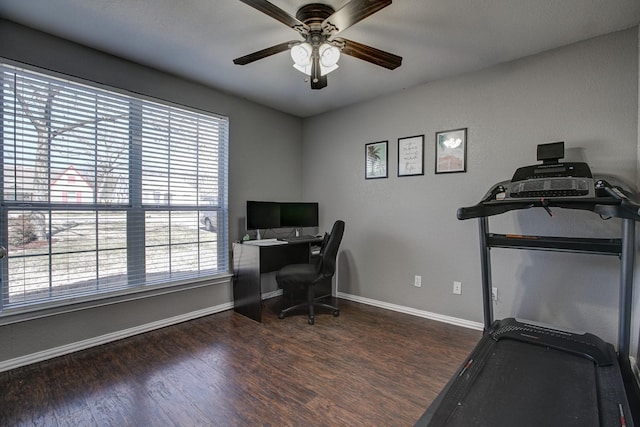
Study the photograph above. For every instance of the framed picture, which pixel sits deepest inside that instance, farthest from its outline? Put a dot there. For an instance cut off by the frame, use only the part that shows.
(376, 160)
(451, 151)
(411, 156)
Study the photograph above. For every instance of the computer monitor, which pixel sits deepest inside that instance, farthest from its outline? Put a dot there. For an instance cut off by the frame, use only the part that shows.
(300, 214)
(262, 215)
(265, 215)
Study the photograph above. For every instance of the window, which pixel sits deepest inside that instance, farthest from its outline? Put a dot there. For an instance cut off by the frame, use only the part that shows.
(104, 192)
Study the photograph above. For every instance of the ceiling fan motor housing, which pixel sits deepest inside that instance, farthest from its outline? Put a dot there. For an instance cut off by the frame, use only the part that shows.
(314, 13)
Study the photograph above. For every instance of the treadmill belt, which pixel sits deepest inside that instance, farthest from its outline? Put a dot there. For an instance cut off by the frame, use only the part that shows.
(525, 385)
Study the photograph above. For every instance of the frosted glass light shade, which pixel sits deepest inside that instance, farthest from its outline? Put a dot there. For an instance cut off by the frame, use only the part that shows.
(328, 56)
(301, 54)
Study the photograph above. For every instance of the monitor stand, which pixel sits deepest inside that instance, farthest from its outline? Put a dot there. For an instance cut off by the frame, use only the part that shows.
(258, 235)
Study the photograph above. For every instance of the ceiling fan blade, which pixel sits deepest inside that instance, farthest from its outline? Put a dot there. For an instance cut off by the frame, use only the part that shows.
(247, 59)
(370, 54)
(278, 14)
(353, 12)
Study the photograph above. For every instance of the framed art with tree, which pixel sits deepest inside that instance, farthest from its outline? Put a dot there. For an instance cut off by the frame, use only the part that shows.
(376, 160)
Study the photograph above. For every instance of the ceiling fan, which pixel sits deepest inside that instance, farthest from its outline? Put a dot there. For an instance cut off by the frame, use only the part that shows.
(318, 24)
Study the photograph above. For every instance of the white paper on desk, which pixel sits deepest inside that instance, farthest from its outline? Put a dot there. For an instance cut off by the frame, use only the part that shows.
(264, 242)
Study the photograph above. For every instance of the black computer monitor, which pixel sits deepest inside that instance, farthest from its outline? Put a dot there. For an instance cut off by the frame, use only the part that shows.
(299, 214)
(262, 215)
(265, 215)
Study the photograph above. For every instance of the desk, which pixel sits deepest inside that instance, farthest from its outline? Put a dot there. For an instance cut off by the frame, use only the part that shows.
(250, 262)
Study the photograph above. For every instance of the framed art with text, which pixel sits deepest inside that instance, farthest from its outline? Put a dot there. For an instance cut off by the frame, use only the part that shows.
(411, 156)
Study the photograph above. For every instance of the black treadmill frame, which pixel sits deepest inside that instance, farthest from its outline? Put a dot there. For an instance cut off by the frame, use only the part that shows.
(610, 201)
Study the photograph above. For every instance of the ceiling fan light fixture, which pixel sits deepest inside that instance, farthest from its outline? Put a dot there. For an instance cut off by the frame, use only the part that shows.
(326, 70)
(329, 56)
(306, 69)
(301, 55)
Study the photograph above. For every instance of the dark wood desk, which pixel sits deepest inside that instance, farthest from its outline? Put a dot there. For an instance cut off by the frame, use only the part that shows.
(250, 262)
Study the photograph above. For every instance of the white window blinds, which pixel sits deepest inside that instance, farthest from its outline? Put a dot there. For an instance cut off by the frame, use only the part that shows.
(103, 191)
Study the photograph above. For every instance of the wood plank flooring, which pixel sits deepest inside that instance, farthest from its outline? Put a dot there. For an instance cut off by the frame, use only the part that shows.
(367, 367)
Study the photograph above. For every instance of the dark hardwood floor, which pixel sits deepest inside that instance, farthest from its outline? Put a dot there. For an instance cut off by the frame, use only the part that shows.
(367, 367)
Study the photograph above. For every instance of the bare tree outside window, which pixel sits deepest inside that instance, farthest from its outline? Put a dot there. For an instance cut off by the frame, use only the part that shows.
(49, 110)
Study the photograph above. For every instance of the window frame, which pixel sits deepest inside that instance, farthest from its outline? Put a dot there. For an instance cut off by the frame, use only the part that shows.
(135, 211)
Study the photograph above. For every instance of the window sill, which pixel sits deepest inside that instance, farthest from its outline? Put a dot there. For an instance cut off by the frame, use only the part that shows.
(27, 313)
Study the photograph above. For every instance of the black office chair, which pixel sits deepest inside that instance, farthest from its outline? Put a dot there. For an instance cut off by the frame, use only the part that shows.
(308, 276)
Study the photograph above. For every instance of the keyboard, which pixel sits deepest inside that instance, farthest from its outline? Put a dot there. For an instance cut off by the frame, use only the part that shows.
(305, 238)
(264, 242)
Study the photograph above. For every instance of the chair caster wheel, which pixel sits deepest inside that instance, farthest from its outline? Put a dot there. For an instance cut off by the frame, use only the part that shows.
(311, 320)
(336, 313)
(281, 316)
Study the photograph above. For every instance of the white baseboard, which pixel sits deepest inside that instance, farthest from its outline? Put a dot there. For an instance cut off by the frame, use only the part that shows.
(415, 312)
(402, 309)
(103, 339)
(114, 336)
(447, 319)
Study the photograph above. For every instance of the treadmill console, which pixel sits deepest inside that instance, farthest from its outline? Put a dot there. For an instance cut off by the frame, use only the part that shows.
(551, 178)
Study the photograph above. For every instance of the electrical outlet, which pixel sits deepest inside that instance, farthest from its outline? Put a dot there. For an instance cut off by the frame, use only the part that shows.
(457, 288)
(494, 294)
(417, 281)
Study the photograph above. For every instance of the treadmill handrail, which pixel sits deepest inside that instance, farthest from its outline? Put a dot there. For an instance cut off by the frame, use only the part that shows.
(611, 201)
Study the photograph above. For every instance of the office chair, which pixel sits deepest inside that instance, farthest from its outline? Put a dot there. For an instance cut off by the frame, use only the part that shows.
(308, 276)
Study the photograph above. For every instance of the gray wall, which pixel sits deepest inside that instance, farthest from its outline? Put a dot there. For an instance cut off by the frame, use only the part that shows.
(258, 136)
(585, 94)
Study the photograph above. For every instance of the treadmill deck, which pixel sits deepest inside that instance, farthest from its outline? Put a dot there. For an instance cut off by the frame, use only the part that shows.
(509, 382)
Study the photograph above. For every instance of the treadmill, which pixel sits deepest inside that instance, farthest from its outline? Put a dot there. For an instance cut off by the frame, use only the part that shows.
(527, 374)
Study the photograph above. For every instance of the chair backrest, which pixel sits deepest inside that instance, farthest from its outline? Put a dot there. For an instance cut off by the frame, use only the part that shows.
(323, 245)
(317, 260)
(327, 265)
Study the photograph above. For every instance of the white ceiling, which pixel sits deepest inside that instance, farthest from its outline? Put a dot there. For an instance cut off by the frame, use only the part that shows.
(198, 39)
